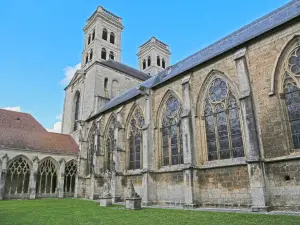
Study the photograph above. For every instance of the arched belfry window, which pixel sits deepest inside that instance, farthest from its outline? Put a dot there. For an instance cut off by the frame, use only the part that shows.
(172, 149)
(144, 64)
(112, 38)
(76, 110)
(110, 143)
(291, 93)
(89, 39)
(111, 55)
(135, 139)
(158, 61)
(86, 58)
(222, 122)
(103, 53)
(47, 179)
(149, 61)
(163, 63)
(91, 148)
(70, 178)
(104, 34)
(17, 179)
(93, 35)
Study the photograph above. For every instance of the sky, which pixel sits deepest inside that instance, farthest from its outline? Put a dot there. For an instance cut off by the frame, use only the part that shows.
(41, 41)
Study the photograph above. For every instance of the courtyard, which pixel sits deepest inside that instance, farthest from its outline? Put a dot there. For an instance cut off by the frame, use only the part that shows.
(76, 211)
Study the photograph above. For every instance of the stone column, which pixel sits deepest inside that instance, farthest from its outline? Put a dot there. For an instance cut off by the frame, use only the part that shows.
(255, 167)
(148, 157)
(116, 186)
(187, 141)
(33, 178)
(61, 178)
(3, 171)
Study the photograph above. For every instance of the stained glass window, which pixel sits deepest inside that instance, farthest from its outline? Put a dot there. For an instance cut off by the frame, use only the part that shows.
(135, 140)
(110, 143)
(292, 94)
(172, 153)
(222, 123)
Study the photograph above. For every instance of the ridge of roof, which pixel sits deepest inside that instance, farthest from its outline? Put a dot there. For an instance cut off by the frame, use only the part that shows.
(125, 69)
(248, 32)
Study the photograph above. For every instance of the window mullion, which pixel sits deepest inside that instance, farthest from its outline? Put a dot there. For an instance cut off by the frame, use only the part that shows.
(217, 134)
(170, 145)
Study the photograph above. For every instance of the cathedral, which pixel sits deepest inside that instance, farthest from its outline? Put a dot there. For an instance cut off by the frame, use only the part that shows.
(221, 128)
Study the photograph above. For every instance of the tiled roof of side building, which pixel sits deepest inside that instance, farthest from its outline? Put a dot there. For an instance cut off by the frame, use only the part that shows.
(21, 131)
(238, 38)
(125, 69)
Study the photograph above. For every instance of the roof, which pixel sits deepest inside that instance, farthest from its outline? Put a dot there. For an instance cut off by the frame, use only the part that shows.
(21, 131)
(125, 69)
(253, 30)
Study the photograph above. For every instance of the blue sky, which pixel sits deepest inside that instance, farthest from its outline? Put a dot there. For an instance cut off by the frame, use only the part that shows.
(40, 39)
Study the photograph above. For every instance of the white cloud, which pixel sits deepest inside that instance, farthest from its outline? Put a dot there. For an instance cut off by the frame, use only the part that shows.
(59, 117)
(69, 73)
(14, 108)
(56, 128)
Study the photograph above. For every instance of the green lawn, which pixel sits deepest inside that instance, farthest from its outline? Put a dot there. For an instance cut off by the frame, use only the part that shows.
(73, 211)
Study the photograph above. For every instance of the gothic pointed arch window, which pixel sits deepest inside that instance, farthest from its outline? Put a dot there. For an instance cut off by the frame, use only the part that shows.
(70, 178)
(144, 64)
(47, 178)
(112, 38)
(104, 34)
(91, 148)
(291, 93)
(111, 55)
(163, 63)
(149, 61)
(158, 60)
(135, 139)
(76, 110)
(86, 58)
(103, 53)
(17, 179)
(110, 143)
(222, 122)
(171, 130)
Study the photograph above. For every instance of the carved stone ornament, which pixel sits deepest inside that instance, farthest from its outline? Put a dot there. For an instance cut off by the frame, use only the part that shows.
(106, 190)
(130, 190)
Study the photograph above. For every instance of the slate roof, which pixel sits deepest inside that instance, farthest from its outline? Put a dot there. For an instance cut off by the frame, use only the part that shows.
(21, 131)
(266, 23)
(125, 69)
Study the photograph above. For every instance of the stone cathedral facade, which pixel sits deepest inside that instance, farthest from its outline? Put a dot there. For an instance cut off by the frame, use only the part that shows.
(220, 128)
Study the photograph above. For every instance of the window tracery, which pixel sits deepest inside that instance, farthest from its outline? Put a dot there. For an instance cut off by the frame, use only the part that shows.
(70, 176)
(172, 149)
(91, 149)
(17, 178)
(46, 178)
(135, 139)
(291, 91)
(110, 143)
(222, 122)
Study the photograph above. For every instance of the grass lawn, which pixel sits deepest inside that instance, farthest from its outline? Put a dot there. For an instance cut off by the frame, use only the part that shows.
(75, 211)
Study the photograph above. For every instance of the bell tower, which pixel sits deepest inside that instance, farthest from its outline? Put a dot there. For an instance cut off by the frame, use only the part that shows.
(102, 34)
(153, 56)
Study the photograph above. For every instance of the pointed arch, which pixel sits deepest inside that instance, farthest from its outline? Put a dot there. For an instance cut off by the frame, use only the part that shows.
(110, 141)
(76, 109)
(167, 94)
(169, 123)
(286, 83)
(17, 178)
(92, 147)
(276, 81)
(47, 178)
(135, 122)
(218, 108)
(70, 178)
